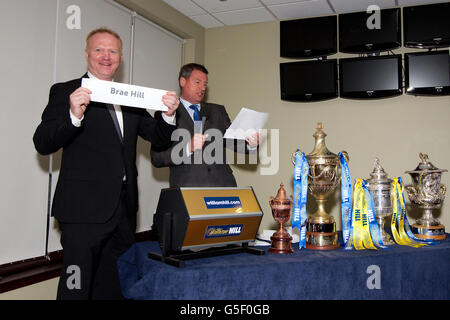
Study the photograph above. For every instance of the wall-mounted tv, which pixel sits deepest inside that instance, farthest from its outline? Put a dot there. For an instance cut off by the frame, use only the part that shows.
(357, 36)
(426, 26)
(427, 73)
(370, 77)
(307, 38)
(310, 80)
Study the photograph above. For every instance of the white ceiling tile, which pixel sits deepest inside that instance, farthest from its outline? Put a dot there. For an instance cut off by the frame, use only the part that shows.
(344, 6)
(304, 9)
(408, 3)
(244, 16)
(272, 2)
(186, 7)
(214, 6)
(207, 21)
(232, 12)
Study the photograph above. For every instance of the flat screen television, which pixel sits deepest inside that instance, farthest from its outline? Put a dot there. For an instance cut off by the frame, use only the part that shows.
(426, 26)
(427, 73)
(356, 37)
(310, 80)
(370, 77)
(308, 38)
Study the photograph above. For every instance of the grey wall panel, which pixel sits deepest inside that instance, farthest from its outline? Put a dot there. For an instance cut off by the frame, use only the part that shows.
(157, 61)
(27, 33)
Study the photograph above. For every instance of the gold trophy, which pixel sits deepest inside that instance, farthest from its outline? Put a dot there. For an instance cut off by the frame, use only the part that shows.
(323, 177)
(281, 240)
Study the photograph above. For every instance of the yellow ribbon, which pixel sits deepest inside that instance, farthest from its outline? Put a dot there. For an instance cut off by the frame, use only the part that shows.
(399, 234)
(361, 231)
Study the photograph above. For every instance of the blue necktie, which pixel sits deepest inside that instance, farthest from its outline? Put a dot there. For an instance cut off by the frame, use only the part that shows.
(196, 112)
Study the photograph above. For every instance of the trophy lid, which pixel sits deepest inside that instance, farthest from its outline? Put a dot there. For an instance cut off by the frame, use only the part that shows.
(281, 194)
(425, 166)
(378, 174)
(320, 148)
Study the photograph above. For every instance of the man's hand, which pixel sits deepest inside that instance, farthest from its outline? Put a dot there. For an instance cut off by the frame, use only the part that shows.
(171, 101)
(79, 100)
(197, 142)
(254, 140)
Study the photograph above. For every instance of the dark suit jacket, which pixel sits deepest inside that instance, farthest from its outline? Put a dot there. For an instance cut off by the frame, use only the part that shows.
(196, 175)
(94, 159)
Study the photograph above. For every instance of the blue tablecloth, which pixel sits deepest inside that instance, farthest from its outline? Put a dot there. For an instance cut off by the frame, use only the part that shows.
(399, 273)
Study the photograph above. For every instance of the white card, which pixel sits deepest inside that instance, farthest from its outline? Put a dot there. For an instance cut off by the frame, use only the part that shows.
(125, 94)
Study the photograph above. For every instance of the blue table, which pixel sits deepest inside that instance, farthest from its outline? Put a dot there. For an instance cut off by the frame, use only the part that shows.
(399, 273)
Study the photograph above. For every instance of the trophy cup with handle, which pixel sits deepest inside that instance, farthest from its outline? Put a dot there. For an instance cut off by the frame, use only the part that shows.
(281, 240)
(323, 178)
(428, 193)
(380, 186)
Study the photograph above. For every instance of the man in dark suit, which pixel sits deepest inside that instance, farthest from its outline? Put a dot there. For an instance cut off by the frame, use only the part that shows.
(185, 168)
(96, 197)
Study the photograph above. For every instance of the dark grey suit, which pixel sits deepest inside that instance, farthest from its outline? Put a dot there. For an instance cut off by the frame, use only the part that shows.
(196, 175)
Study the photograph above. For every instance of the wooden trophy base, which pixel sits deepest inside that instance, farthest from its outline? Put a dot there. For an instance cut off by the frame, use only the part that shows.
(429, 232)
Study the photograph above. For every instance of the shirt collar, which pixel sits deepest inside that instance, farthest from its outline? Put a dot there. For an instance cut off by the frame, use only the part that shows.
(187, 104)
(90, 75)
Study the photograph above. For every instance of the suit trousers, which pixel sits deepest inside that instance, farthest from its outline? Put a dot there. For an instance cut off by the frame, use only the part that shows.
(90, 254)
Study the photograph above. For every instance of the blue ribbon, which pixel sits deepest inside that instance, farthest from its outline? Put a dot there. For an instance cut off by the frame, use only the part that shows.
(346, 199)
(301, 171)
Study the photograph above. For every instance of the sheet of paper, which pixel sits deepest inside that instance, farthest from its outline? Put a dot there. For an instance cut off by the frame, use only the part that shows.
(125, 94)
(246, 123)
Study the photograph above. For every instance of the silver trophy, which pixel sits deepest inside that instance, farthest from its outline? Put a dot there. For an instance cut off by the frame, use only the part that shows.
(428, 193)
(380, 186)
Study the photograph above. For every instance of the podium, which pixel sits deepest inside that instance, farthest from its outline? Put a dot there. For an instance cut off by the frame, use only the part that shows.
(215, 221)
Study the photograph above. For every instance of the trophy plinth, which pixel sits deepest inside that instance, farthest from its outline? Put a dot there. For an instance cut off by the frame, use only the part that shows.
(323, 178)
(380, 186)
(427, 193)
(281, 240)
(321, 229)
(428, 227)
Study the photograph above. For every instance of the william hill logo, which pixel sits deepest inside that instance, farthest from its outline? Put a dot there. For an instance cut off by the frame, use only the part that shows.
(222, 202)
(223, 231)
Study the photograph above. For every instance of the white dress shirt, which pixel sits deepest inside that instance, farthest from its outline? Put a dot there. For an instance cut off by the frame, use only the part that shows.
(187, 104)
